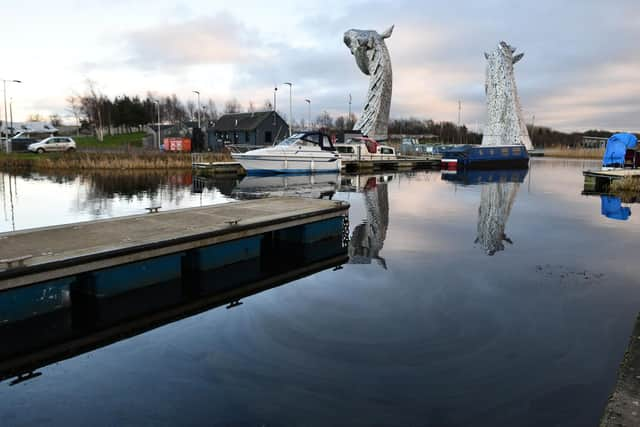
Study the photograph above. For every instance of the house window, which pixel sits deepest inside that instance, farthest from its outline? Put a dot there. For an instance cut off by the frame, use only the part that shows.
(267, 137)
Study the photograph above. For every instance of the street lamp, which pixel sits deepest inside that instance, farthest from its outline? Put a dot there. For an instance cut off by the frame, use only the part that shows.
(157, 102)
(198, 93)
(308, 101)
(290, 105)
(6, 124)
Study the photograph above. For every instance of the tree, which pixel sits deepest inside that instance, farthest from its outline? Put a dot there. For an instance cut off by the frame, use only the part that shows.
(191, 108)
(268, 105)
(232, 106)
(252, 108)
(35, 117)
(212, 111)
(55, 120)
(75, 108)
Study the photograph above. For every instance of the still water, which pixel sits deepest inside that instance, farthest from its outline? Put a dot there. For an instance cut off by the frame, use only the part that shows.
(499, 299)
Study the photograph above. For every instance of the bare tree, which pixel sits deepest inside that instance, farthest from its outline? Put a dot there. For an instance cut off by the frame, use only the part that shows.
(212, 111)
(232, 106)
(268, 105)
(252, 107)
(55, 119)
(75, 108)
(191, 108)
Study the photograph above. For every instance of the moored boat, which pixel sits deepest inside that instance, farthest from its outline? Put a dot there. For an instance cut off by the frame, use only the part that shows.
(485, 157)
(304, 152)
(363, 148)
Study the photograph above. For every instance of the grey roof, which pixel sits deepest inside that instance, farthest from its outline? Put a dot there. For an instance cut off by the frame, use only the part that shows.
(243, 121)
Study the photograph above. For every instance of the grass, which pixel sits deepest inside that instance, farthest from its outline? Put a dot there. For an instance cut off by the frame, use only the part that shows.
(627, 188)
(101, 161)
(110, 141)
(575, 153)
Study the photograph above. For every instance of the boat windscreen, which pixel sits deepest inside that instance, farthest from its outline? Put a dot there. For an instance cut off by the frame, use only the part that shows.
(292, 139)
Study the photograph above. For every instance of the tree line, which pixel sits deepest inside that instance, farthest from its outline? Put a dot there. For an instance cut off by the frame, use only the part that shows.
(96, 113)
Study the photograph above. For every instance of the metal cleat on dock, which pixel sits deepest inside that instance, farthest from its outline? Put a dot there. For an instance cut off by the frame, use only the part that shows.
(232, 222)
(153, 209)
(9, 262)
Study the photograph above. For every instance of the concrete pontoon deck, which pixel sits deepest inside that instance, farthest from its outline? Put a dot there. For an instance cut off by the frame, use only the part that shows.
(44, 254)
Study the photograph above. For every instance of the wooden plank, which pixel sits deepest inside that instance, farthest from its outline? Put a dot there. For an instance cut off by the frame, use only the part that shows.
(70, 249)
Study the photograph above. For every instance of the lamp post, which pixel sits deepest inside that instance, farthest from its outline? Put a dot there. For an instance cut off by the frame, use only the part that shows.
(290, 106)
(275, 100)
(11, 113)
(198, 93)
(6, 124)
(308, 101)
(157, 102)
(349, 116)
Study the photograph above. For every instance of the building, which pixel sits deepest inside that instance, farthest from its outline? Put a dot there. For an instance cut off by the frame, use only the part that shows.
(257, 128)
(593, 142)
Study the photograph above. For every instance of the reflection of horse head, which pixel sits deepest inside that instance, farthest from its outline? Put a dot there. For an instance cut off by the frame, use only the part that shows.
(368, 237)
(505, 124)
(496, 201)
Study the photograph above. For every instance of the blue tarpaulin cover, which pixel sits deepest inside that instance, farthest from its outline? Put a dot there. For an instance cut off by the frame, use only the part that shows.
(612, 208)
(617, 146)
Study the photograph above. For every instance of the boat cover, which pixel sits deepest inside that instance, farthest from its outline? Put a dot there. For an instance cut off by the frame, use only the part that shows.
(617, 147)
(612, 208)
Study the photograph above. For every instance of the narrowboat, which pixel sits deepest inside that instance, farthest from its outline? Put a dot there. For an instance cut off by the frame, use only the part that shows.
(485, 157)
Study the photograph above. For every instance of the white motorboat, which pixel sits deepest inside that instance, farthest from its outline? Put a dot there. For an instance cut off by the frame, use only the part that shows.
(305, 152)
(363, 148)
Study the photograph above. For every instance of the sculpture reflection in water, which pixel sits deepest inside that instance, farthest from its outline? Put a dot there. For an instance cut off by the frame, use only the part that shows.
(367, 239)
(496, 201)
(497, 196)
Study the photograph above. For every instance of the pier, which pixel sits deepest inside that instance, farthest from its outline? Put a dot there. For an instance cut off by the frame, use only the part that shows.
(623, 408)
(67, 289)
(32, 256)
(596, 180)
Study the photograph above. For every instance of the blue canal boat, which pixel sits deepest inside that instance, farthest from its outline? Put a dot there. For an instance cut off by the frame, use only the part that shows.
(485, 157)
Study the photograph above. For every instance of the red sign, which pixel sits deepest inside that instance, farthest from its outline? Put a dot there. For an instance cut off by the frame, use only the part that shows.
(177, 144)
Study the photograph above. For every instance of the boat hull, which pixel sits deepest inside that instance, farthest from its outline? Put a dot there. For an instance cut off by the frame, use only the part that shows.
(262, 165)
(483, 157)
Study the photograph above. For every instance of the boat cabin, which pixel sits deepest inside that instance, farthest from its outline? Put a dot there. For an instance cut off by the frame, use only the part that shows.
(365, 149)
(309, 139)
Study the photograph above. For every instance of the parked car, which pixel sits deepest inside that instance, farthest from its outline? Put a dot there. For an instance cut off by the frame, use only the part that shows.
(53, 143)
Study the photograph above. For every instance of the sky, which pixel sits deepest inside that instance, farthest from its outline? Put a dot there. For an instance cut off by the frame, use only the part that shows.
(581, 68)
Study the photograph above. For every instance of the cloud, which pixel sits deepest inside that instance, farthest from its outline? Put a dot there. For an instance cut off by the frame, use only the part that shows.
(219, 39)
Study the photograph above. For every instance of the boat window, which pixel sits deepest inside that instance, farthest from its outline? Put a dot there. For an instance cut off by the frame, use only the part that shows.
(312, 137)
(292, 139)
(345, 149)
(386, 150)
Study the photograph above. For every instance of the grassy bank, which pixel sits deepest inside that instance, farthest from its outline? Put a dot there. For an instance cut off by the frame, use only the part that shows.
(627, 188)
(575, 153)
(95, 161)
(110, 141)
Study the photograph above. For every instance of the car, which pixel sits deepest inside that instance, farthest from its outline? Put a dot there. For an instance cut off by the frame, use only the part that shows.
(53, 143)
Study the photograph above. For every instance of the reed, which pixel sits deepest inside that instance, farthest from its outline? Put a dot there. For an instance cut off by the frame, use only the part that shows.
(102, 160)
(575, 153)
(626, 185)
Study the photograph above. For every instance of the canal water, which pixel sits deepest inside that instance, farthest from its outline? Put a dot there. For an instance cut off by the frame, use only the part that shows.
(500, 298)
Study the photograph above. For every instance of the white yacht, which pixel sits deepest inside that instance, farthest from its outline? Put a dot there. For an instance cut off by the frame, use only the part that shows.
(305, 152)
(363, 148)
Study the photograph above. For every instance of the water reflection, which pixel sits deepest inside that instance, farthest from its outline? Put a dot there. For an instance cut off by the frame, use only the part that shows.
(368, 237)
(316, 186)
(611, 207)
(498, 193)
(72, 197)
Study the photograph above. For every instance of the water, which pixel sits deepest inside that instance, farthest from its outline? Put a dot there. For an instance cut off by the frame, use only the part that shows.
(507, 303)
